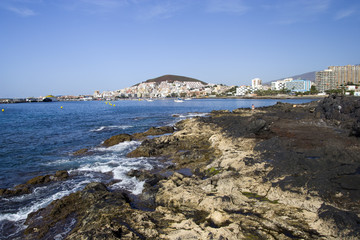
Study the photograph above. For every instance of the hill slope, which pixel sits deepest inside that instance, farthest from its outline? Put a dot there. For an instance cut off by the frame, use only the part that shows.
(307, 76)
(173, 78)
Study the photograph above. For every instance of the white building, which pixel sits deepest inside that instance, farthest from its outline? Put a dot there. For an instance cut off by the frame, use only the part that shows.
(299, 85)
(256, 83)
(281, 84)
(243, 90)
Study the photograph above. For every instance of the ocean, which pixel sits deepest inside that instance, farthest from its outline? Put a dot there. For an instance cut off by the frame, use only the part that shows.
(40, 138)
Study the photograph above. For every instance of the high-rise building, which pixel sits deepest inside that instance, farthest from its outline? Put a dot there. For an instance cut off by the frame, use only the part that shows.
(298, 85)
(325, 80)
(337, 76)
(348, 74)
(256, 83)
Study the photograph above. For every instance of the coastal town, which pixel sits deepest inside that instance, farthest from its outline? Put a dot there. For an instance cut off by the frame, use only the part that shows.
(334, 79)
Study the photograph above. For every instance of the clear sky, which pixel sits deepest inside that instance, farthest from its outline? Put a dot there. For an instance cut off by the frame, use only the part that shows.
(75, 47)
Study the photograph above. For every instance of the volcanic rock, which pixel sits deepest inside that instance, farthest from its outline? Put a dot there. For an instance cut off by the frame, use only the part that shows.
(34, 182)
(117, 139)
(81, 152)
(280, 172)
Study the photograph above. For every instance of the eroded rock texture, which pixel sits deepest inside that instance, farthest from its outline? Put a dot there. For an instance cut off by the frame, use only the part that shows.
(281, 172)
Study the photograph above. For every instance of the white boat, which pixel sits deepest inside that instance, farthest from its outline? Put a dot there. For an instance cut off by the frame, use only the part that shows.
(87, 99)
(178, 100)
(150, 100)
(187, 99)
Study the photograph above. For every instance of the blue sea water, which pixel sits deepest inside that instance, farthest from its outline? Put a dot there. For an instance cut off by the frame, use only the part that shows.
(39, 138)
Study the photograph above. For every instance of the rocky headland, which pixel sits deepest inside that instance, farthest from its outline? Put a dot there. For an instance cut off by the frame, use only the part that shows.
(280, 172)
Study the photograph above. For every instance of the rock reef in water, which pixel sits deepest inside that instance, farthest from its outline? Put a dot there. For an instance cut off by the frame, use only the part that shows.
(30, 184)
(280, 172)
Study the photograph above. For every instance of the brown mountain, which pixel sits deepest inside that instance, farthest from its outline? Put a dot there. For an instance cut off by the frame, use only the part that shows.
(308, 76)
(173, 78)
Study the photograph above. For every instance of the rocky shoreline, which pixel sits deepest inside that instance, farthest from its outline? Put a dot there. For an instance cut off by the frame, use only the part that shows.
(280, 172)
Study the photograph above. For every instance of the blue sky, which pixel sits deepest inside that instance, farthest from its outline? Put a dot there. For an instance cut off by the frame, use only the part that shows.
(77, 46)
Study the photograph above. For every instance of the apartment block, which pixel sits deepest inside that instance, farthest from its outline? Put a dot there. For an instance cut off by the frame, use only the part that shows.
(256, 83)
(243, 90)
(298, 85)
(281, 84)
(337, 76)
(349, 74)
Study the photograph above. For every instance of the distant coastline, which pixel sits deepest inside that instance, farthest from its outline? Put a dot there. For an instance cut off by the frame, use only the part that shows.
(60, 99)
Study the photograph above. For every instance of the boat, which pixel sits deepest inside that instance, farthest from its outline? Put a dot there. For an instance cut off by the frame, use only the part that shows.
(187, 99)
(150, 100)
(87, 99)
(178, 100)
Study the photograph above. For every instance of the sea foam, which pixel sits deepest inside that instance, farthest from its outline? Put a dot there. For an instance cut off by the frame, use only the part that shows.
(111, 127)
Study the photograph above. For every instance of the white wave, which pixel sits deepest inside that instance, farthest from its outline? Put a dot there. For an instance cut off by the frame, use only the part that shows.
(128, 145)
(111, 127)
(33, 207)
(57, 162)
(102, 168)
(130, 184)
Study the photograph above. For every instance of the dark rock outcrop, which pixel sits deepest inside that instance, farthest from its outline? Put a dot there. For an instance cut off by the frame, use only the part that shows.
(153, 131)
(342, 110)
(82, 152)
(34, 182)
(117, 139)
(280, 172)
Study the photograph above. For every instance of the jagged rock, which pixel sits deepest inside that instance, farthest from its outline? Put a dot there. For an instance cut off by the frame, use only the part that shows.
(61, 175)
(256, 126)
(39, 180)
(280, 172)
(355, 129)
(182, 148)
(81, 152)
(154, 131)
(344, 111)
(117, 139)
(18, 190)
(339, 223)
(30, 184)
(217, 112)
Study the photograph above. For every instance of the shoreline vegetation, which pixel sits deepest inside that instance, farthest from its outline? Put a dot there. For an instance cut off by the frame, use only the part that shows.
(280, 172)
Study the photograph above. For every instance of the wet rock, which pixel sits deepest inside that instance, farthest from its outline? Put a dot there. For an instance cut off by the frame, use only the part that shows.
(39, 180)
(61, 175)
(153, 131)
(280, 172)
(81, 152)
(34, 182)
(117, 139)
(79, 206)
(18, 190)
